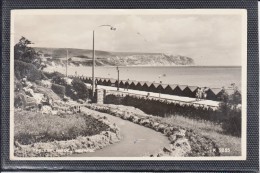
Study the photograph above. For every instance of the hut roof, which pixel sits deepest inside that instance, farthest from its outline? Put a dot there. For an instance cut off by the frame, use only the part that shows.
(102, 79)
(148, 84)
(122, 81)
(173, 86)
(156, 84)
(112, 80)
(182, 87)
(164, 85)
(216, 90)
(142, 83)
(133, 82)
(192, 88)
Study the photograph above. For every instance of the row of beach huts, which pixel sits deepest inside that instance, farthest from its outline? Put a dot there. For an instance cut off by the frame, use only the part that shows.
(171, 89)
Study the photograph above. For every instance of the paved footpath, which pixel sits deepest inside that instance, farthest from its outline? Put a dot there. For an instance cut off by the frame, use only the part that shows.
(137, 141)
(184, 100)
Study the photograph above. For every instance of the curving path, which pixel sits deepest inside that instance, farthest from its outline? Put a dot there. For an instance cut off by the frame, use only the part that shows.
(136, 140)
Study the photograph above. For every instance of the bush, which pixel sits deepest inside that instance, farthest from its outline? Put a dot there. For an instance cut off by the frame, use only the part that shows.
(231, 113)
(58, 89)
(17, 85)
(232, 123)
(77, 90)
(22, 69)
(58, 78)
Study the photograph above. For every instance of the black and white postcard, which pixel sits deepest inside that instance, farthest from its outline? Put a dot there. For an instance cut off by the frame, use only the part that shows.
(128, 84)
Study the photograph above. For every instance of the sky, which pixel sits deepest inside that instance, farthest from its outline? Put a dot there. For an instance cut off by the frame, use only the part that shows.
(208, 39)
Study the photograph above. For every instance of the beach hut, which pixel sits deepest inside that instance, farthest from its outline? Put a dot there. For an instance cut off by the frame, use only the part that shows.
(139, 86)
(133, 85)
(153, 87)
(190, 91)
(168, 89)
(212, 93)
(111, 82)
(176, 90)
(88, 80)
(160, 88)
(99, 81)
(122, 84)
(84, 79)
(105, 81)
(145, 86)
(229, 91)
(182, 87)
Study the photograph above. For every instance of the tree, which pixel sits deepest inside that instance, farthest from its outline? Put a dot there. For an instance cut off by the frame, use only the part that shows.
(231, 111)
(25, 53)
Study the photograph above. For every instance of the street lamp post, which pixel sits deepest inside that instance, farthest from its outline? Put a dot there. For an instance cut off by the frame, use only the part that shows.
(93, 58)
(93, 66)
(117, 78)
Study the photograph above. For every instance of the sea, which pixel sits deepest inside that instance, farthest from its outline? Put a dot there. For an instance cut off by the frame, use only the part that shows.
(202, 76)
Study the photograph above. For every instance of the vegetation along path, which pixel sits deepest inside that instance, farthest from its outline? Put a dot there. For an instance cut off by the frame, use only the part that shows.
(136, 140)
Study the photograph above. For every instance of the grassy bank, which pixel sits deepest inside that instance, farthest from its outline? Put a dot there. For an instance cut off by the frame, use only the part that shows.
(45, 135)
(31, 127)
(213, 131)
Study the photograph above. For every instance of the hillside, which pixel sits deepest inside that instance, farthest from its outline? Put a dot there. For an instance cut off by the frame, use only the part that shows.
(104, 58)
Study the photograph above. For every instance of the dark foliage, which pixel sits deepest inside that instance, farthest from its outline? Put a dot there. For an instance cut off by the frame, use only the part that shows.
(80, 88)
(58, 89)
(163, 109)
(58, 78)
(232, 112)
(228, 114)
(23, 52)
(22, 69)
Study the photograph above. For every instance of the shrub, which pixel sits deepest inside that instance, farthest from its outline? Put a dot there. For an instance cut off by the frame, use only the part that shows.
(231, 112)
(58, 78)
(23, 52)
(58, 89)
(77, 90)
(22, 69)
(17, 85)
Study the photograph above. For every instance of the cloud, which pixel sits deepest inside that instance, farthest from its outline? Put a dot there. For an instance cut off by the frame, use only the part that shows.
(209, 39)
